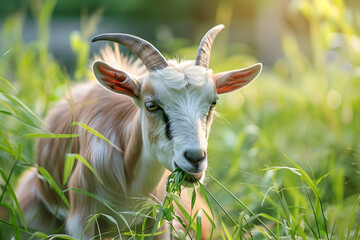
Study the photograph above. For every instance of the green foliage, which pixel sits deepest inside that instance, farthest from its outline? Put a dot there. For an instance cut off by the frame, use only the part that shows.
(306, 106)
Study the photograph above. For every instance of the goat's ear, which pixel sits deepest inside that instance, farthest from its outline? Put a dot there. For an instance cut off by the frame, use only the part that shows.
(236, 79)
(116, 80)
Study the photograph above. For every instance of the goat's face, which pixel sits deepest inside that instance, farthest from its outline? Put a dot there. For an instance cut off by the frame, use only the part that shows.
(178, 104)
(177, 100)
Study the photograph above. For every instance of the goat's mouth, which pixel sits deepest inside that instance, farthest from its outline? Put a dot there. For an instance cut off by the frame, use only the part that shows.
(190, 177)
(194, 178)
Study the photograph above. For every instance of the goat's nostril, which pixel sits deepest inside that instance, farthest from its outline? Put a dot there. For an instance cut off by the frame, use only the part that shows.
(195, 155)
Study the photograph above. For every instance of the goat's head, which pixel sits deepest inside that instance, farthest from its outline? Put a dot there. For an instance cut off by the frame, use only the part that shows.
(177, 100)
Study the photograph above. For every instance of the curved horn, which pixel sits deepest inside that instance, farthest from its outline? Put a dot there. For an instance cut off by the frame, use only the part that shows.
(149, 55)
(203, 54)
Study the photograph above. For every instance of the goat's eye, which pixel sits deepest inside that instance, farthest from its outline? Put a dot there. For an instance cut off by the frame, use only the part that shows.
(151, 106)
(213, 104)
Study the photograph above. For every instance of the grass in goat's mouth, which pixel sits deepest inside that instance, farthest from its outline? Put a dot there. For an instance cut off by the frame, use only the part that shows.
(177, 179)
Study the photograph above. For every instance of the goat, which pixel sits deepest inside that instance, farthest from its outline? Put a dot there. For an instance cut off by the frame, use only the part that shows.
(158, 114)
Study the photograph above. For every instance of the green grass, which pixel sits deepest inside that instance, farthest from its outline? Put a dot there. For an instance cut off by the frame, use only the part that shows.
(283, 165)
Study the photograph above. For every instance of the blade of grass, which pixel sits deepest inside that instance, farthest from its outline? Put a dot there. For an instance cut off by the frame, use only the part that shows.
(5, 149)
(305, 177)
(314, 213)
(306, 220)
(21, 105)
(263, 232)
(352, 217)
(40, 235)
(241, 225)
(183, 211)
(294, 170)
(264, 215)
(6, 53)
(313, 187)
(225, 231)
(13, 195)
(13, 220)
(206, 199)
(242, 204)
(285, 208)
(298, 229)
(6, 141)
(58, 236)
(53, 184)
(96, 133)
(222, 208)
(86, 163)
(7, 179)
(193, 199)
(318, 181)
(332, 230)
(69, 164)
(157, 222)
(17, 118)
(98, 228)
(50, 135)
(209, 218)
(6, 81)
(198, 225)
(13, 224)
(357, 231)
(165, 204)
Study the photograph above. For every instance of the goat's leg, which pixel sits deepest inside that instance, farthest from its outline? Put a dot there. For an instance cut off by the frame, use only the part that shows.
(37, 215)
(76, 224)
(82, 207)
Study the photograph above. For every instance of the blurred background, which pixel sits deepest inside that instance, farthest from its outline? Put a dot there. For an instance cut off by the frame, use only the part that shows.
(305, 106)
(256, 25)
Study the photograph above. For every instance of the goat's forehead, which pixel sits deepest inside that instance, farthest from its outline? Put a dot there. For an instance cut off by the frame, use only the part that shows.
(176, 82)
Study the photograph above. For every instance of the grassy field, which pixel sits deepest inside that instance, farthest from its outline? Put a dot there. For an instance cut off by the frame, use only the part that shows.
(284, 157)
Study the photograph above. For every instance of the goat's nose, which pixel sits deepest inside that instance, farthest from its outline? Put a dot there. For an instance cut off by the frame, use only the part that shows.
(195, 156)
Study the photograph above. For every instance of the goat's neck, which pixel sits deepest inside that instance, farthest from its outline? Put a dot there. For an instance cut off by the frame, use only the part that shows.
(143, 171)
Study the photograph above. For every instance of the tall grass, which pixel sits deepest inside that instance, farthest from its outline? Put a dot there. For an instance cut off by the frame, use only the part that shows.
(287, 165)
(305, 106)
